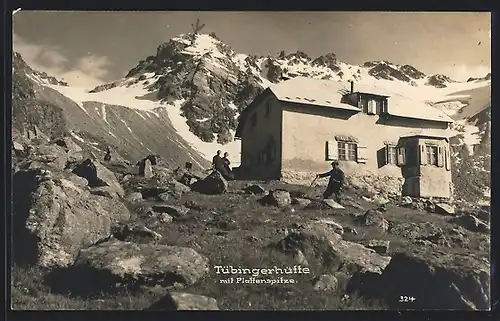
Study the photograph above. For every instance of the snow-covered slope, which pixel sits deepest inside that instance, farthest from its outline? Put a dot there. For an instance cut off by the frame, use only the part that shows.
(132, 133)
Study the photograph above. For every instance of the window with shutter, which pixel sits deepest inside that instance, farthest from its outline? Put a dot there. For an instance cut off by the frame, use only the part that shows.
(447, 159)
(401, 159)
(422, 155)
(390, 155)
(331, 150)
(440, 157)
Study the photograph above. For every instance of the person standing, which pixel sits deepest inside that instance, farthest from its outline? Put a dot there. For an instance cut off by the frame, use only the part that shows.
(335, 183)
(107, 157)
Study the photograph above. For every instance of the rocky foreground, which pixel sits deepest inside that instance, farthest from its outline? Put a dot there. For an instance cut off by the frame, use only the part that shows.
(160, 237)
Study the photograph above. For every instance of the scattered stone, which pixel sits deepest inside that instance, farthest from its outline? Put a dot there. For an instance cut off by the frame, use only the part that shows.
(175, 211)
(471, 223)
(279, 198)
(226, 224)
(375, 219)
(406, 201)
(379, 200)
(254, 189)
(348, 229)
(300, 258)
(332, 224)
(164, 218)
(325, 282)
(163, 197)
(145, 210)
(380, 246)
(484, 215)
(214, 183)
(352, 203)
(104, 191)
(325, 249)
(332, 204)
(185, 301)
(136, 234)
(443, 208)
(129, 263)
(17, 148)
(134, 197)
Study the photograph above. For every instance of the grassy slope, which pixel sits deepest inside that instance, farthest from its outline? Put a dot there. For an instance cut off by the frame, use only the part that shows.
(244, 231)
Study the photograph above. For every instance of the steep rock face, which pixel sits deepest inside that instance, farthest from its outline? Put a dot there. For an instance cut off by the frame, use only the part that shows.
(439, 81)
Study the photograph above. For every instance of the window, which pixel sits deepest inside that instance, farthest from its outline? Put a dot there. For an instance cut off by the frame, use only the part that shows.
(392, 157)
(268, 109)
(254, 120)
(432, 155)
(347, 151)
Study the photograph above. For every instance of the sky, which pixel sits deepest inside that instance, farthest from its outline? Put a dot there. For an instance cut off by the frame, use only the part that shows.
(91, 48)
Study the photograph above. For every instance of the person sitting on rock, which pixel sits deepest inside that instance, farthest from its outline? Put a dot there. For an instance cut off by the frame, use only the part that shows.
(218, 163)
(335, 183)
(216, 160)
(227, 167)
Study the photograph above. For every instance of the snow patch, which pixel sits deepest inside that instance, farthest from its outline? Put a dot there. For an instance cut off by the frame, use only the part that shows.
(75, 136)
(103, 110)
(207, 150)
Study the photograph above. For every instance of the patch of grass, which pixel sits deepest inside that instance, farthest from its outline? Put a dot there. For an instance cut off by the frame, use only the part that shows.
(234, 229)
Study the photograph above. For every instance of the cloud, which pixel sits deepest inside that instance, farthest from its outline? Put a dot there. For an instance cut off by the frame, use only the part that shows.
(88, 71)
(464, 72)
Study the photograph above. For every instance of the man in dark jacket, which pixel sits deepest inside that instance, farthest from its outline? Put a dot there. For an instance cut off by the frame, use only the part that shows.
(218, 164)
(335, 183)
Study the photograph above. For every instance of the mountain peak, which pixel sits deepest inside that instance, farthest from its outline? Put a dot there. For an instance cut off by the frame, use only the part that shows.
(40, 77)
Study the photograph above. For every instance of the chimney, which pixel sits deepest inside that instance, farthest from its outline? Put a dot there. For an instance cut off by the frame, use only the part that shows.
(352, 86)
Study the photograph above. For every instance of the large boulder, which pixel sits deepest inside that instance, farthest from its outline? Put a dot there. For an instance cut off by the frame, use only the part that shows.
(98, 175)
(67, 143)
(54, 218)
(214, 183)
(279, 198)
(436, 279)
(131, 264)
(443, 208)
(52, 156)
(374, 218)
(471, 223)
(326, 251)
